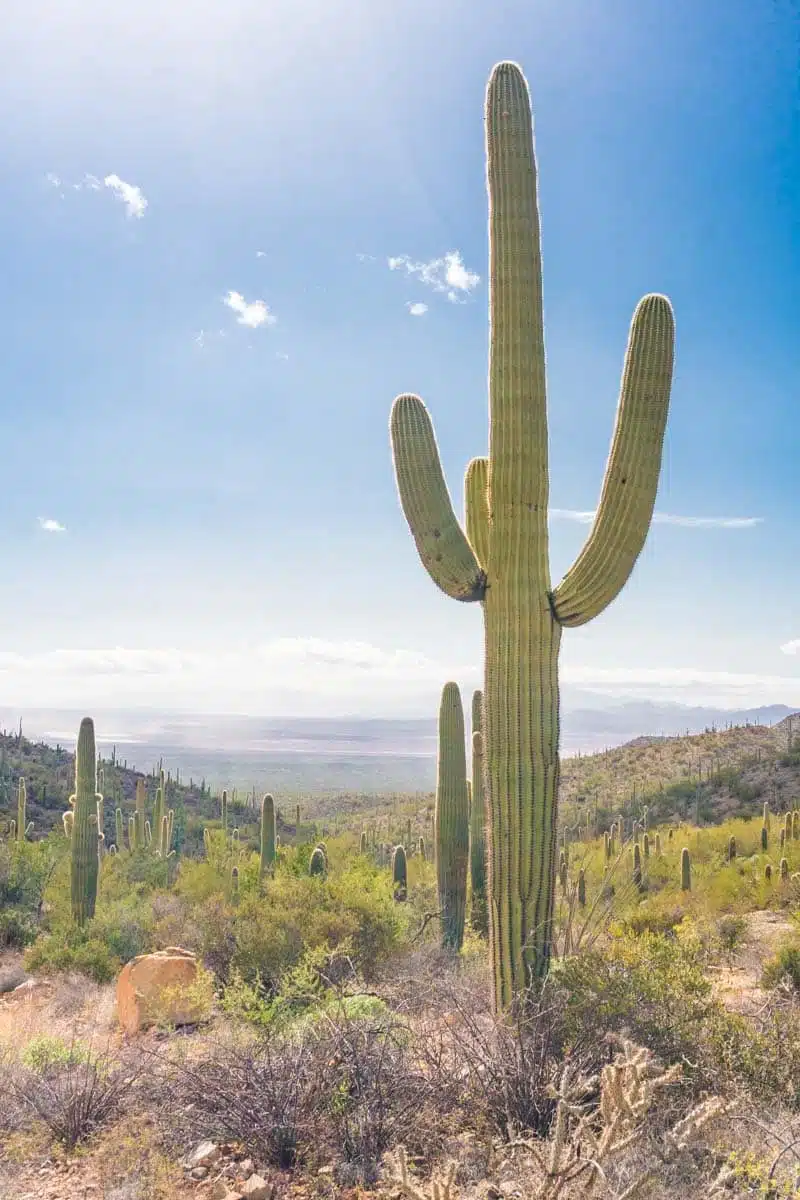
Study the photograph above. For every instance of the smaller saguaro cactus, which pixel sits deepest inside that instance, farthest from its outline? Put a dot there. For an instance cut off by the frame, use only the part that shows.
(163, 841)
(768, 872)
(731, 849)
(297, 818)
(224, 810)
(686, 870)
(170, 825)
(582, 888)
(400, 873)
(68, 819)
(85, 863)
(317, 863)
(658, 845)
(764, 838)
(563, 878)
(796, 825)
(421, 848)
(362, 842)
(783, 838)
(670, 835)
(118, 827)
(646, 845)
(607, 845)
(148, 834)
(22, 801)
(766, 815)
(267, 834)
(787, 826)
(644, 819)
(141, 800)
(132, 841)
(784, 869)
(637, 866)
(408, 832)
(235, 882)
(451, 820)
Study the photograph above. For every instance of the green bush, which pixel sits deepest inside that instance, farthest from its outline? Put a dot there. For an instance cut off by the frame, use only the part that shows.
(46, 1051)
(785, 964)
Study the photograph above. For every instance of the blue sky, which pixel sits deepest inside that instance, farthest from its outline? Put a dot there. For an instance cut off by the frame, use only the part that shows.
(232, 538)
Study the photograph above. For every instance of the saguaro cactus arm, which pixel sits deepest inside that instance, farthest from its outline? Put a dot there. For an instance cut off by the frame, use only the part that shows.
(625, 511)
(443, 547)
(476, 508)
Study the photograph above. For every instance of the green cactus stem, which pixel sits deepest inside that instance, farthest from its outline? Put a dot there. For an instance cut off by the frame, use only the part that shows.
(421, 849)
(119, 827)
(562, 872)
(316, 865)
(235, 883)
(451, 819)
(764, 838)
(796, 826)
(362, 843)
(502, 561)
(784, 870)
(646, 845)
(297, 818)
(582, 888)
(224, 810)
(479, 912)
(163, 841)
(400, 873)
(84, 864)
(268, 834)
(22, 803)
(141, 800)
(766, 815)
(132, 832)
(787, 827)
(148, 834)
(607, 845)
(658, 845)
(637, 866)
(731, 849)
(686, 870)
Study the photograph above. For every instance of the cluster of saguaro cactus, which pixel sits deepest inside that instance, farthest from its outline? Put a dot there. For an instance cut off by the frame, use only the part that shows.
(84, 831)
(502, 560)
(451, 818)
(479, 913)
(267, 834)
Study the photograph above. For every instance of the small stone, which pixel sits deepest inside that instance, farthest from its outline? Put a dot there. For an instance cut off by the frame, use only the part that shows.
(203, 1155)
(246, 1168)
(256, 1188)
(198, 1172)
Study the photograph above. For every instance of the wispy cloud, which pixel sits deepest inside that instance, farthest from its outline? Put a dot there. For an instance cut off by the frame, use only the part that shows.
(261, 254)
(416, 310)
(792, 647)
(51, 526)
(447, 274)
(131, 196)
(366, 257)
(685, 684)
(253, 314)
(585, 517)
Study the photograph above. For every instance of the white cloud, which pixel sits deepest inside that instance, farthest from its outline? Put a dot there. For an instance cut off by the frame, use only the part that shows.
(132, 196)
(253, 314)
(792, 647)
(282, 355)
(53, 179)
(366, 257)
(692, 685)
(416, 310)
(261, 254)
(447, 274)
(51, 526)
(115, 661)
(586, 518)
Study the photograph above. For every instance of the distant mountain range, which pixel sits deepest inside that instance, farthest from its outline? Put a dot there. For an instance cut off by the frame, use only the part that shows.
(344, 754)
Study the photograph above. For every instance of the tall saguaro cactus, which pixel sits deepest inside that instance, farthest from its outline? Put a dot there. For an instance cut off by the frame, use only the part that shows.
(451, 818)
(502, 560)
(268, 833)
(85, 862)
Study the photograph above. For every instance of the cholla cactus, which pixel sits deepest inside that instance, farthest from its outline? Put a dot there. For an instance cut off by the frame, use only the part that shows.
(502, 561)
(686, 870)
(84, 869)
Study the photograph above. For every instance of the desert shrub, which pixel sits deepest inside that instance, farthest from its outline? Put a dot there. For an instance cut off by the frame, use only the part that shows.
(25, 868)
(74, 1096)
(47, 1052)
(74, 950)
(782, 967)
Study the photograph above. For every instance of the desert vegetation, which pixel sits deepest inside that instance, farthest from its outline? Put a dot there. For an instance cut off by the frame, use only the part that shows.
(536, 982)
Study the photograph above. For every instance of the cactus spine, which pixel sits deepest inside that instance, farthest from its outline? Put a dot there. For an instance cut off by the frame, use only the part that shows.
(85, 861)
(451, 818)
(400, 873)
(267, 833)
(686, 870)
(479, 914)
(502, 561)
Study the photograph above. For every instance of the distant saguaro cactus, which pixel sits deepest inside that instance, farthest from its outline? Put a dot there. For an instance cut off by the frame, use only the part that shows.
(768, 872)
(764, 838)
(451, 820)
(582, 888)
(118, 828)
(316, 864)
(85, 861)
(400, 873)
(686, 870)
(267, 833)
(224, 810)
(637, 866)
(141, 800)
(731, 849)
(784, 870)
(362, 842)
(22, 813)
(502, 561)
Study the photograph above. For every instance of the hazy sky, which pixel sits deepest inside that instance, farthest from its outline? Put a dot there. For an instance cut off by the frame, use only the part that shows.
(233, 231)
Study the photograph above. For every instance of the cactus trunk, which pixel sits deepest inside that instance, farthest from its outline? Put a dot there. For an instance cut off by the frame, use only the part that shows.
(85, 861)
(479, 915)
(503, 559)
(22, 803)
